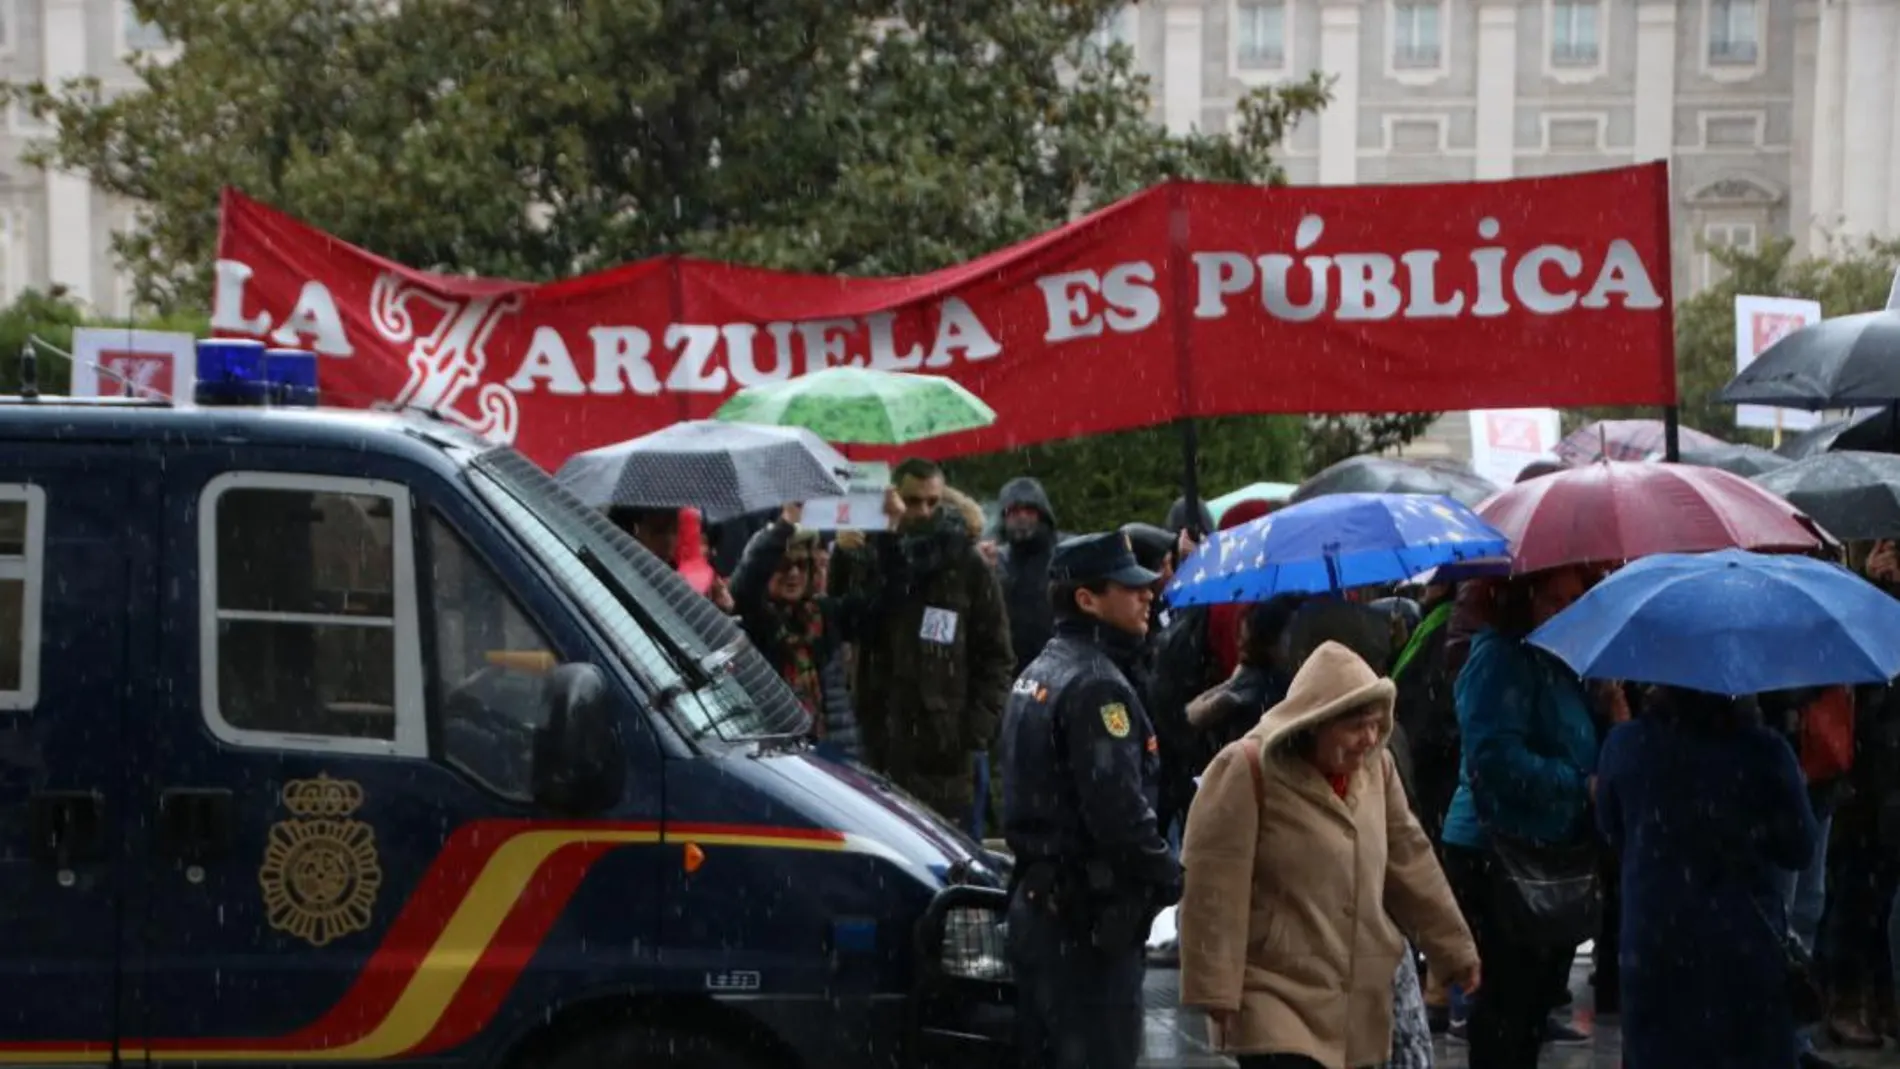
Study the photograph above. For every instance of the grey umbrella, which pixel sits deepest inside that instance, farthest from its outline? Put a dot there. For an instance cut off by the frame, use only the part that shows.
(722, 469)
(1854, 496)
(1387, 475)
(1845, 362)
(1874, 432)
(1736, 458)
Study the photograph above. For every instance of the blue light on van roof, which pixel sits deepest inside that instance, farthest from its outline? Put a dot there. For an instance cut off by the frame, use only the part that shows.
(292, 376)
(239, 371)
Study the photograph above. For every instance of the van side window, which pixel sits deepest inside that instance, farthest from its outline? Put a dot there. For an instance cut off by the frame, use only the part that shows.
(309, 625)
(22, 559)
(490, 660)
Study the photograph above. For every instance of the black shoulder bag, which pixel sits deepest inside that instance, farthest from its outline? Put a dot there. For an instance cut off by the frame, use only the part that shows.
(1545, 895)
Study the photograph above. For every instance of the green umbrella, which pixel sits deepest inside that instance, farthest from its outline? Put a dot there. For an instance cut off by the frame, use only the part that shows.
(855, 404)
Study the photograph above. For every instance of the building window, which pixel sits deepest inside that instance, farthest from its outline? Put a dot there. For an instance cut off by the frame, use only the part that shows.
(308, 614)
(1260, 32)
(138, 34)
(1734, 33)
(22, 560)
(1573, 33)
(1573, 133)
(1738, 236)
(1416, 34)
(1416, 136)
(1732, 131)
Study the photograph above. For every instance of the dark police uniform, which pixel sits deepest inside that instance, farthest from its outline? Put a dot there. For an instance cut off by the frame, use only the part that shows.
(1080, 782)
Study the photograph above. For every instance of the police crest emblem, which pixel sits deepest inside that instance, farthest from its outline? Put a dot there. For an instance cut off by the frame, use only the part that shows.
(320, 873)
(1115, 719)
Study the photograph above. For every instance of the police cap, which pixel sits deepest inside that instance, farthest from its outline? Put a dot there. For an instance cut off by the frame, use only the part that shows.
(1152, 544)
(1093, 557)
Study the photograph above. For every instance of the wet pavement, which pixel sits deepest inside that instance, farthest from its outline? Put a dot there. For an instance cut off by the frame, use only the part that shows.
(1177, 1039)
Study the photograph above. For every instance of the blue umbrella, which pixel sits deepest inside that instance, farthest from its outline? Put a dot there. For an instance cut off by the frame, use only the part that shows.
(1730, 622)
(1333, 542)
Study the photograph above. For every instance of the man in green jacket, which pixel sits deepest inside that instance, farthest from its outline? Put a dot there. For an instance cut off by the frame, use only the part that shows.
(931, 681)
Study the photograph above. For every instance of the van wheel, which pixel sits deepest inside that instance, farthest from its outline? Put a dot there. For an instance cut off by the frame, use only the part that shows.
(643, 1046)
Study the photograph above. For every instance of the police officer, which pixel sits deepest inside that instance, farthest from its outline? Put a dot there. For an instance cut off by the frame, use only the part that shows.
(1080, 777)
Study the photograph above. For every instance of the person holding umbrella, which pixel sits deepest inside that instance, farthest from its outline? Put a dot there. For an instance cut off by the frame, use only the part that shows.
(1706, 805)
(1528, 754)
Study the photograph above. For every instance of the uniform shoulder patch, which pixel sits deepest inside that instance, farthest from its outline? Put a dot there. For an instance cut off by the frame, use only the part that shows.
(1115, 719)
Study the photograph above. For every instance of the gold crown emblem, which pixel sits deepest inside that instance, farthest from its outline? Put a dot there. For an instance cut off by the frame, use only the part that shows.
(322, 797)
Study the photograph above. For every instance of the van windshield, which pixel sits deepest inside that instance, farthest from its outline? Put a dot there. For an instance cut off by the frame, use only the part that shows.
(710, 679)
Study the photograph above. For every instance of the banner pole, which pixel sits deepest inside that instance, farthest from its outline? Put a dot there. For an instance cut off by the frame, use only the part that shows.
(1672, 434)
(1183, 295)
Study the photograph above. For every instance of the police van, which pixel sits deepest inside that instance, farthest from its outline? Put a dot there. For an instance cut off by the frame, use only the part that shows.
(349, 737)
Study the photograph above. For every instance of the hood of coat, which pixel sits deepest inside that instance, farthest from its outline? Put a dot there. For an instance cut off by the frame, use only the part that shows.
(1025, 491)
(1332, 682)
(960, 509)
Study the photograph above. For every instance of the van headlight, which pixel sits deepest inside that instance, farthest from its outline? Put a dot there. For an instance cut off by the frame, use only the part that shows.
(973, 945)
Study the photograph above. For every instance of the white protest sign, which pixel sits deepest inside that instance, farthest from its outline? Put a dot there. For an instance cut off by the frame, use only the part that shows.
(1504, 440)
(862, 506)
(1759, 323)
(119, 362)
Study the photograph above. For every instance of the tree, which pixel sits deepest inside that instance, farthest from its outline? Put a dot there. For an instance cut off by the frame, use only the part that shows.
(531, 140)
(519, 138)
(1854, 280)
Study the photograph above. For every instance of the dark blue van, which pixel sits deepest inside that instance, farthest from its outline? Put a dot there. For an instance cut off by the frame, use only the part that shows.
(347, 737)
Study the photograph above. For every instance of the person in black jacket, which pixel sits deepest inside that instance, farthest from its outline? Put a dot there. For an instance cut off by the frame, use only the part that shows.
(1080, 782)
(790, 620)
(1028, 534)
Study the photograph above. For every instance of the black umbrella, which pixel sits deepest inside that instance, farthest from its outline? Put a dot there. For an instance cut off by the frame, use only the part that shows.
(1855, 496)
(1386, 475)
(1876, 432)
(722, 469)
(1845, 362)
(1736, 458)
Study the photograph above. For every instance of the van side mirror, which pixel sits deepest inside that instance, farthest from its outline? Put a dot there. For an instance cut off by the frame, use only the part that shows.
(580, 766)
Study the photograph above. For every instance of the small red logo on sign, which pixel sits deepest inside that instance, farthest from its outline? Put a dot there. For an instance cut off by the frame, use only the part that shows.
(1517, 434)
(135, 374)
(1771, 327)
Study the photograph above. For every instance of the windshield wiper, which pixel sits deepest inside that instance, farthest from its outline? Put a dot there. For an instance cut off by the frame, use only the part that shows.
(693, 674)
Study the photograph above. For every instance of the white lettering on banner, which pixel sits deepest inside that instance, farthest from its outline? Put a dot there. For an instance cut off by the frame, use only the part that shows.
(744, 365)
(827, 343)
(450, 358)
(447, 354)
(314, 317)
(694, 371)
(1368, 283)
(548, 361)
(884, 355)
(227, 301)
(1126, 290)
(623, 356)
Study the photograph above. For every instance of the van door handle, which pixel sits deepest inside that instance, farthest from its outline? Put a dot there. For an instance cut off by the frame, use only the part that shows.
(196, 824)
(67, 826)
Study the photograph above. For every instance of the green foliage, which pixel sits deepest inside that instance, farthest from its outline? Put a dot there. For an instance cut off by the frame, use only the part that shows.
(51, 318)
(1855, 280)
(1107, 480)
(524, 139)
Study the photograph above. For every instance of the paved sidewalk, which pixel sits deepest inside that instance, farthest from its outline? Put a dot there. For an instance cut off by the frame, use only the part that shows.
(1178, 1040)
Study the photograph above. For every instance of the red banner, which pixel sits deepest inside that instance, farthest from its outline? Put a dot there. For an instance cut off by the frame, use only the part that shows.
(1188, 299)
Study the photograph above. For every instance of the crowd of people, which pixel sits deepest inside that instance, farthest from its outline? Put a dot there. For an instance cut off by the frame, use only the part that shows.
(1340, 792)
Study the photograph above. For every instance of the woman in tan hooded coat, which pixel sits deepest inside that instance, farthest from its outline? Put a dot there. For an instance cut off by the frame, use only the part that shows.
(1300, 855)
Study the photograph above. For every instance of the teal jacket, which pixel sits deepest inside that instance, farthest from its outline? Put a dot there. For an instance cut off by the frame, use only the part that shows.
(1530, 746)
